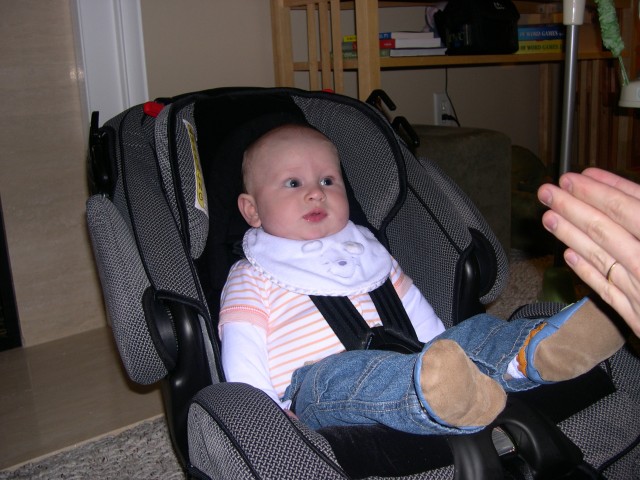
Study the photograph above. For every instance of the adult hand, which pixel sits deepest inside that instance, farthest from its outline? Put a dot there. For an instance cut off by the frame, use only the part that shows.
(597, 215)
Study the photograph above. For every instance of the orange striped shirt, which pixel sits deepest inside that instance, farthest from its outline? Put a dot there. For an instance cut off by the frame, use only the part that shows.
(296, 332)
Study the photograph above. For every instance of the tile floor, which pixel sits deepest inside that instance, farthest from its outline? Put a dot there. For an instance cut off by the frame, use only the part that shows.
(58, 394)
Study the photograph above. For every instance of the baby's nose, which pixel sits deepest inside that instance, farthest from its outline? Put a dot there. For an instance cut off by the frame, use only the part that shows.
(315, 193)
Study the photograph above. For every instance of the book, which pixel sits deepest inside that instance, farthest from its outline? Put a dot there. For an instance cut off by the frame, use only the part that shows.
(540, 46)
(398, 43)
(400, 52)
(417, 42)
(548, 31)
(387, 35)
(383, 44)
(552, 7)
(354, 54)
(417, 52)
(408, 34)
(538, 18)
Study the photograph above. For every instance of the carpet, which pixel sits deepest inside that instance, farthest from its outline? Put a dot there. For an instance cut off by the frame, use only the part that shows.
(144, 451)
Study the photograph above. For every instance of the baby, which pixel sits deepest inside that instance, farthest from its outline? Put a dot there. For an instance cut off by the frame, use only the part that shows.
(302, 243)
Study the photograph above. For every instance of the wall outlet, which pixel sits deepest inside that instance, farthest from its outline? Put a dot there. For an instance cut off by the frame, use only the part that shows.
(443, 110)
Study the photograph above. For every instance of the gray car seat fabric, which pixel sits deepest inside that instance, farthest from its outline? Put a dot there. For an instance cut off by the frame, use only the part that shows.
(606, 427)
(238, 446)
(124, 283)
(150, 231)
(183, 178)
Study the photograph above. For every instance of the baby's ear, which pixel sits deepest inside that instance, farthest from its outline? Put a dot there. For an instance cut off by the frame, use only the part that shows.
(248, 209)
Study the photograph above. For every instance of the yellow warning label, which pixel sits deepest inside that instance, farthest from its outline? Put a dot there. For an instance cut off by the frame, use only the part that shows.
(200, 193)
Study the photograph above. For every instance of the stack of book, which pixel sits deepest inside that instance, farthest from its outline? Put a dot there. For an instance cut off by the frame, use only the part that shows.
(542, 38)
(398, 44)
(542, 22)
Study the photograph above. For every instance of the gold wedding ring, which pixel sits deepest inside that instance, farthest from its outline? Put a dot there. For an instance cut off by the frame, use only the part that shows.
(611, 270)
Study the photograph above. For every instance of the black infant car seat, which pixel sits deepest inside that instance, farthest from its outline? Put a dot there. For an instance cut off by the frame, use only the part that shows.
(164, 227)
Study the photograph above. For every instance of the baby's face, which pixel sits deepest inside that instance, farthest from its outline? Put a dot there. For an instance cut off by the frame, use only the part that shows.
(295, 186)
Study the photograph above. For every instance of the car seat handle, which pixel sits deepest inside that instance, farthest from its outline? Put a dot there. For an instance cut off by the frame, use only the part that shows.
(99, 168)
(377, 97)
(474, 456)
(548, 452)
(519, 431)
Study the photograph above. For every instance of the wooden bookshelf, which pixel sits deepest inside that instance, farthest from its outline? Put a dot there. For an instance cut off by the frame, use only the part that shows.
(325, 71)
(459, 60)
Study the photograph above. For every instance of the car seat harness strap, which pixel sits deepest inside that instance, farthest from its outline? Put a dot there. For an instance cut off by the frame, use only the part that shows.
(395, 334)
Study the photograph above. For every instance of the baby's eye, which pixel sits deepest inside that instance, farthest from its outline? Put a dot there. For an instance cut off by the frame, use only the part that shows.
(292, 183)
(326, 181)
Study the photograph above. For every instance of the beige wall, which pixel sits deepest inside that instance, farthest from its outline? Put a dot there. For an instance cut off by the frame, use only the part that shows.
(199, 44)
(42, 174)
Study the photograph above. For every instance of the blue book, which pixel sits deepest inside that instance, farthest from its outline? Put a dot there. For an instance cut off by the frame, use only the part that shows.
(550, 31)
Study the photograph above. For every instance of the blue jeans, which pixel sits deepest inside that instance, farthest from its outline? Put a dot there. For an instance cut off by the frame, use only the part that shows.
(367, 387)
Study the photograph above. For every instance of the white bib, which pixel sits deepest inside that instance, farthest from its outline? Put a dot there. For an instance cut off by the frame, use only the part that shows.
(349, 262)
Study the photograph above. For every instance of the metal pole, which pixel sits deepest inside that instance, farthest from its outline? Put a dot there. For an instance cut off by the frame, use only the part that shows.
(568, 103)
(557, 283)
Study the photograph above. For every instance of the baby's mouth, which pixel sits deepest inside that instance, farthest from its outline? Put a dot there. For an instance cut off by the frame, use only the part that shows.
(315, 215)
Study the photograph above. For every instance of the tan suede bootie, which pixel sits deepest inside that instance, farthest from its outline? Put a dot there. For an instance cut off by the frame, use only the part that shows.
(570, 343)
(457, 393)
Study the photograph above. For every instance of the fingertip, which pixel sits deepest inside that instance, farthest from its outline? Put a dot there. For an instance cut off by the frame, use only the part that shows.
(566, 183)
(550, 221)
(592, 172)
(545, 194)
(571, 257)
